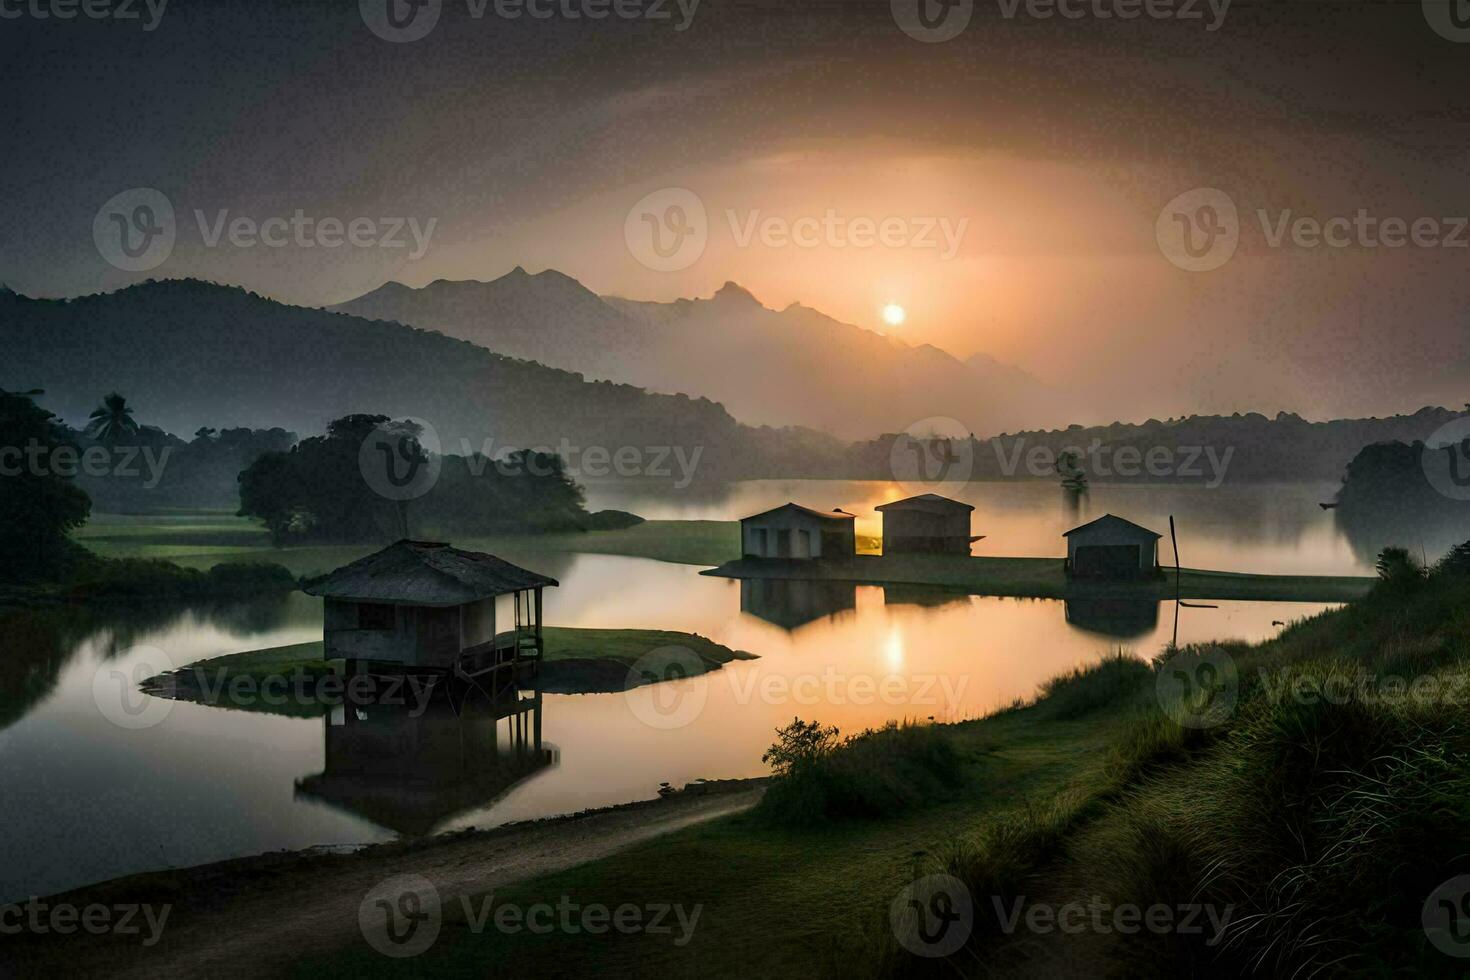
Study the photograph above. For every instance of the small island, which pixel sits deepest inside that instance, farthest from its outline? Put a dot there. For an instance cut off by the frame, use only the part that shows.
(575, 661)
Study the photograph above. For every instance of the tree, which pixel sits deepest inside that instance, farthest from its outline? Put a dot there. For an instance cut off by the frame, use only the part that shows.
(112, 419)
(39, 504)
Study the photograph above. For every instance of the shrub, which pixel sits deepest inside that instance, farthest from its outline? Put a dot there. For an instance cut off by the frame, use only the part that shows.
(821, 777)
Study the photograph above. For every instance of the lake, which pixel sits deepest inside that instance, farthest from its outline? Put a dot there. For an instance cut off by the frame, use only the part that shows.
(88, 799)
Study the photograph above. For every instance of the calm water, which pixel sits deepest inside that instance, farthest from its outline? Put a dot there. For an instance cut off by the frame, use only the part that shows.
(86, 799)
(1255, 528)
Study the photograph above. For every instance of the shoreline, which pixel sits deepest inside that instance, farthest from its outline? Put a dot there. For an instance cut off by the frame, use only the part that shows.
(1044, 578)
(211, 900)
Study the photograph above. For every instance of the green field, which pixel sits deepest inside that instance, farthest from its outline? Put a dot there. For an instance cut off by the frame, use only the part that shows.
(205, 538)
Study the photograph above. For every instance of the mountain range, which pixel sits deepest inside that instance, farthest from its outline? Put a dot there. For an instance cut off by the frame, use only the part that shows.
(188, 354)
(795, 366)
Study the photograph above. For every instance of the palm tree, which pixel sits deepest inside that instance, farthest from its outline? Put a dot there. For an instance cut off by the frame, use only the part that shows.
(111, 419)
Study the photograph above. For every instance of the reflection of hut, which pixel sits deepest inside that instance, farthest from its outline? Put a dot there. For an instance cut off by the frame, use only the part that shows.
(426, 605)
(792, 603)
(927, 523)
(412, 767)
(793, 531)
(1125, 619)
(1111, 548)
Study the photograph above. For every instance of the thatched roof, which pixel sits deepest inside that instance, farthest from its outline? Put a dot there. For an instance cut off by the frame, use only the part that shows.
(426, 573)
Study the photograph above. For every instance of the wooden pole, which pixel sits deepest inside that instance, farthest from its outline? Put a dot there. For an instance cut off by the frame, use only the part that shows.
(1174, 537)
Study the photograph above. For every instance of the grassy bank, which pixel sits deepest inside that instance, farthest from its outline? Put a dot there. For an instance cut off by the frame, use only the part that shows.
(576, 661)
(1318, 825)
(1044, 578)
(203, 539)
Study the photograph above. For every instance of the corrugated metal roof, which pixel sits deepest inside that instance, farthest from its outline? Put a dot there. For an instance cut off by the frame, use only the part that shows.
(426, 573)
(1109, 518)
(836, 515)
(925, 501)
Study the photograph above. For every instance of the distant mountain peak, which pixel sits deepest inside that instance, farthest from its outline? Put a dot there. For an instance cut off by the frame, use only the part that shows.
(732, 293)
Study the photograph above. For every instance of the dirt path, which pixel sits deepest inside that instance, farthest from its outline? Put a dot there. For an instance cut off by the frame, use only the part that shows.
(256, 916)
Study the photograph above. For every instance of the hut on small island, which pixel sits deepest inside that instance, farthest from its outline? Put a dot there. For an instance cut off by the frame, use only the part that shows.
(928, 524)
(793, 531)
(427, 606)
(1112, 548)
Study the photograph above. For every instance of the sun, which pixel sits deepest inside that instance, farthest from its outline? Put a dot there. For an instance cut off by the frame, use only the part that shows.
(894, 315)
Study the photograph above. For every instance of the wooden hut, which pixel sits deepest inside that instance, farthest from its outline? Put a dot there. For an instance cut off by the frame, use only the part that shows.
(796, 532)
(928, 524)
(1112, 548)
(424, 605)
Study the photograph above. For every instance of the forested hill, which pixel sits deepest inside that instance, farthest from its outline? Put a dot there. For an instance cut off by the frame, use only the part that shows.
(189, 353)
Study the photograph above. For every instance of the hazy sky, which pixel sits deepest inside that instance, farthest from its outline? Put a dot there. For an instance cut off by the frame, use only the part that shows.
(1020, 170)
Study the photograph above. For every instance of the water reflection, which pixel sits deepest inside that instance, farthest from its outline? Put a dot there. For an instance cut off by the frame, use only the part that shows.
(794, 604)
(412, 767)
(1123, 619)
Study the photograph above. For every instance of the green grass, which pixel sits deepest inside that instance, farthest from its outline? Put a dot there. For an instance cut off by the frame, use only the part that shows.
(201, 540)
(1324, 826)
